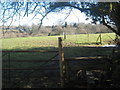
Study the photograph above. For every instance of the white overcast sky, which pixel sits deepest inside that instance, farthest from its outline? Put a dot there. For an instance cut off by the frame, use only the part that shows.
(54, 18)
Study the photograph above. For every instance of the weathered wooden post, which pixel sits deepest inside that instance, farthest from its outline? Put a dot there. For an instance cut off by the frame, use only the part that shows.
(62, 62)
(88, 38)
(64, 35)
(100, 39)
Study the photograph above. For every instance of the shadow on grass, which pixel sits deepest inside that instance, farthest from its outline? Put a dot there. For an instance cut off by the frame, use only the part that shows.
(41, 78)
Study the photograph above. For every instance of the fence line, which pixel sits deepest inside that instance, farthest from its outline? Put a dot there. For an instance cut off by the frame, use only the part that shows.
(30, 68)
(32, 51)
(61, 60)
(64, 63)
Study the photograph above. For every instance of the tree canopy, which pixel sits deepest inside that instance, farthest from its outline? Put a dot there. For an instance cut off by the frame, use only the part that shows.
(106, 13)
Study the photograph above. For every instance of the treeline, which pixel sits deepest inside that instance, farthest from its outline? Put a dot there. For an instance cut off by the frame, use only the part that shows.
(34, 30)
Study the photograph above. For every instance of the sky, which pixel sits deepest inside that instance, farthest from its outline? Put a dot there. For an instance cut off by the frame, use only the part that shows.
(53, 19)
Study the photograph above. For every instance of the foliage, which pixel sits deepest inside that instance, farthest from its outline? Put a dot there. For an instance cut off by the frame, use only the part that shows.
(24, 78)
(77, 28)
(104, 12)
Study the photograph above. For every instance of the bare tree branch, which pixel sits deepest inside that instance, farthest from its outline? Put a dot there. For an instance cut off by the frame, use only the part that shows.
(104, 23)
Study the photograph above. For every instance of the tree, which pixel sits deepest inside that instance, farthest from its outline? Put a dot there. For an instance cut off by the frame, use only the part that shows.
(106, 13)
(34, 29)
(65, 24)
(9, 10)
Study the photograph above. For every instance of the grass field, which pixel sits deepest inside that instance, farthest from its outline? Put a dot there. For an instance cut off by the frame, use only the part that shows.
(72, 48)
(52, 41)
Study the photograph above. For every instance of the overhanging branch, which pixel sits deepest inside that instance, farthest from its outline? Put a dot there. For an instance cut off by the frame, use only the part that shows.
(44, 17)
(108, 26)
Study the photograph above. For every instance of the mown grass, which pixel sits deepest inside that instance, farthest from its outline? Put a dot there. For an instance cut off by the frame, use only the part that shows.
(71, 49)
(90, 38)
(28, 42)
(52, 41)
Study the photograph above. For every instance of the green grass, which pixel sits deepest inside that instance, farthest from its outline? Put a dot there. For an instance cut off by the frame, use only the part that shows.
(71, 49)
(29, 42)
(91, 38)
(52, 41)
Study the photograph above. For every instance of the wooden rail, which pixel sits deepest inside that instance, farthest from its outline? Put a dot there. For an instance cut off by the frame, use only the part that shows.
(53, 68)
(32, 51)
(32, 61)
(66, 59)
(61, 60)
(87, 58)
(5, 52)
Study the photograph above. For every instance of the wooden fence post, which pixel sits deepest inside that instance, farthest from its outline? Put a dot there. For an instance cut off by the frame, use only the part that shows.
(100, 39)
(64, 35)
(62, 62)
